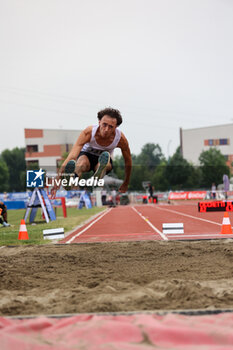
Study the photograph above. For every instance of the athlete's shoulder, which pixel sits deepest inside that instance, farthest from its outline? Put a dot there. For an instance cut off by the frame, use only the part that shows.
(84, 136)
(123, 137)
(88, 129)
(123, 141)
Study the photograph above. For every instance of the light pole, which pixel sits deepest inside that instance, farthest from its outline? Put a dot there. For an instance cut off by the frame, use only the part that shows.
(168, 145)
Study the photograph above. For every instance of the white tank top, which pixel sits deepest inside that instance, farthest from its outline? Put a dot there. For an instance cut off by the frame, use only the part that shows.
(93, 147)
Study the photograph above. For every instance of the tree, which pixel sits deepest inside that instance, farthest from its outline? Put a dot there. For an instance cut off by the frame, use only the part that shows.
(150, 156)
(179, 172)
(213, 167)
(159, 179)
(4, 176)
(136, 174)
(144, 165)
(15, 161)
(137, 177)
(118, 167)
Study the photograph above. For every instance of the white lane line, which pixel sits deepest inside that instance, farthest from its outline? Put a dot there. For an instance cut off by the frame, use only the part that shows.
(86, 228)
(189, 216)
(203, 235)
(151, 225)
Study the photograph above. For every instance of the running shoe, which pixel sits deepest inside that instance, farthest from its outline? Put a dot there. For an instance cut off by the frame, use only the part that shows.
(70, 167)
(5, 224)
(104, 160)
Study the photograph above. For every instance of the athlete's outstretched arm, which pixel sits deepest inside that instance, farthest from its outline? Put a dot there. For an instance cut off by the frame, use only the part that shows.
(124, 146)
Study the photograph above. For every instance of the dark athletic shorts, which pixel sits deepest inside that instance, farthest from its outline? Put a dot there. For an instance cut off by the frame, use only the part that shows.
(93, 159)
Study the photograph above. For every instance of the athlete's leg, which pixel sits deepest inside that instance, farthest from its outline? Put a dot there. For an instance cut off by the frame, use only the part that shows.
(82, 165)
(104, 165)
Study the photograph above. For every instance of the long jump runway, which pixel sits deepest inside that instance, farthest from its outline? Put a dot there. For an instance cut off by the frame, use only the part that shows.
(144, 222)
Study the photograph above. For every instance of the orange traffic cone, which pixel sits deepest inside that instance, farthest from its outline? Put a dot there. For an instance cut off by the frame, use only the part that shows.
(23, 234)
(226, 225)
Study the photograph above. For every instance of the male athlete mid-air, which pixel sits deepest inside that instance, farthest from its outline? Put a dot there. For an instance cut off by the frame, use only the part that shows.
(94, 148)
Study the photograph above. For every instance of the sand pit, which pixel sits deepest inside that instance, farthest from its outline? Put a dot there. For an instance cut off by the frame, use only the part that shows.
(116, 277)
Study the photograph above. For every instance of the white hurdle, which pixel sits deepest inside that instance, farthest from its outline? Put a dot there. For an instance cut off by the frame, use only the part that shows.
(54, 233)
(173, 228)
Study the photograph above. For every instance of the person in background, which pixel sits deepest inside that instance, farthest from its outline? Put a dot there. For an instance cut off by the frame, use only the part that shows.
(113, 193)
(213, 191)
(151, 191)
(3, 214)
(226, 184)
(103, 196)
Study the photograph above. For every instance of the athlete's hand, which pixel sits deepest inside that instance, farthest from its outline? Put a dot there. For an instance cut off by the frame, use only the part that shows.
(123, 188)
(53, 192)
(56, 186)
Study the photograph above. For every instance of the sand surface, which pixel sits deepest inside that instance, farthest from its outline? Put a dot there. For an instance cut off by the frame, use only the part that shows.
(112, 277)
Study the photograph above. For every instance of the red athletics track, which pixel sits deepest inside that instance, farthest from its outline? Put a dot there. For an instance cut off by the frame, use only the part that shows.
(144, 222)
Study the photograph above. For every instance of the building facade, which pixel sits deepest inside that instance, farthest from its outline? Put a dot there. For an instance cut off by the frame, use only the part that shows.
(194, 141)
(45, 147)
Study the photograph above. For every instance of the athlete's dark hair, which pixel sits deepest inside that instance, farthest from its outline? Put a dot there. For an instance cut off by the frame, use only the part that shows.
(111, 112)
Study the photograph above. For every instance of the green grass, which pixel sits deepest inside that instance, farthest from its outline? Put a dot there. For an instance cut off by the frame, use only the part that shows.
(75, 217)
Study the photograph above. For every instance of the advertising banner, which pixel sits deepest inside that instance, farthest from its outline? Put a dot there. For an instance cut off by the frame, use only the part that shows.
(187, 195)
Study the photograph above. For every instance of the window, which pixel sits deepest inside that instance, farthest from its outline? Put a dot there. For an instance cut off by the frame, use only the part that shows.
(32, 165)
(223, 141)
(34, 162)
(32, 148)
(216, 142)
